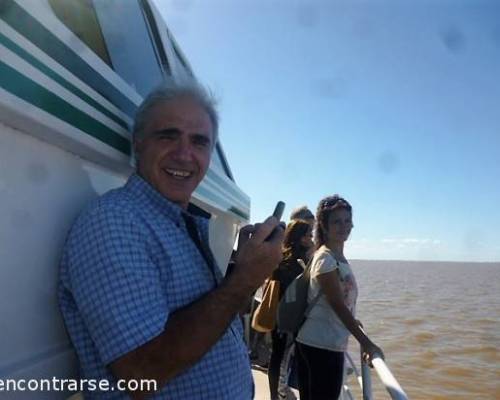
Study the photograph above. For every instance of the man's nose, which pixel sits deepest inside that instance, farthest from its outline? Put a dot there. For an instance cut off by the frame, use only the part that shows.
(182, 150)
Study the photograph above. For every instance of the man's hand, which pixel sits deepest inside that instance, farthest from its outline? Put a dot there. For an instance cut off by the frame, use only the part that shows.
(259, 252)
(244, 235)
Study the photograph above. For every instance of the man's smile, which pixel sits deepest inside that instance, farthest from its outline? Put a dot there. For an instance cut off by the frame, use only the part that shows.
(178, 173)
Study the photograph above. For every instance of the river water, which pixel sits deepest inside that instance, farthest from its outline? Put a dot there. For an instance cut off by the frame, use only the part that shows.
(438, 324)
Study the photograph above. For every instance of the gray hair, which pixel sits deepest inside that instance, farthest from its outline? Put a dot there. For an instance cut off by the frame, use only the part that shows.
(170, 90)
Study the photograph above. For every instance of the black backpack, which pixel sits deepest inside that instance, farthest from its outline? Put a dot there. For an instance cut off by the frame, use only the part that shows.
(293, 308)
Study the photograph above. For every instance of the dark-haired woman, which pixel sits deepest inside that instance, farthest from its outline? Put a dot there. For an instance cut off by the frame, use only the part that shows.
(322, 339)
(296, 245)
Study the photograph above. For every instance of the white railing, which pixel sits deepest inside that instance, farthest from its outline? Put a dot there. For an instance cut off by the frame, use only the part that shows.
(364, 379)
(390, 383)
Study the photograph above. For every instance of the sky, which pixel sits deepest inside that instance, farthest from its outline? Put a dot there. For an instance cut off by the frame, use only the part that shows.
(394, 105)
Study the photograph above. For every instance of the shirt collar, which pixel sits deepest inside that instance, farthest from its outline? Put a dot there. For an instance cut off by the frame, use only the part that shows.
(143, 190)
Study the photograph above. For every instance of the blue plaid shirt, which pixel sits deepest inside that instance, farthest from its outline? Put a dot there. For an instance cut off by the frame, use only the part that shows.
(127, 264)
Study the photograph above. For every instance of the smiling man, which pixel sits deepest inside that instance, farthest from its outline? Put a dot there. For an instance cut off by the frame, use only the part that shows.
(174, 144)
(140, 292)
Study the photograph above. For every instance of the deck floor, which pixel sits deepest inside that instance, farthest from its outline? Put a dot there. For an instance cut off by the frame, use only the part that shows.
(262, 385)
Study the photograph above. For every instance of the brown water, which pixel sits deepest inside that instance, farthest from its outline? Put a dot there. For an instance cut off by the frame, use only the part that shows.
(438, 324)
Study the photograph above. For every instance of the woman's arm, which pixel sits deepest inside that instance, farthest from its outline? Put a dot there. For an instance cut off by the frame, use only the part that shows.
(330, 285)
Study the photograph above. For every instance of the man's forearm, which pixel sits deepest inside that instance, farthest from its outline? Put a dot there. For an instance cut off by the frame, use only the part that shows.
(190, 332)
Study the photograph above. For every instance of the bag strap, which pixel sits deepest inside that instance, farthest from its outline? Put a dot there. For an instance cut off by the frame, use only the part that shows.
(312, 304)
(308, 271)
(202, 247)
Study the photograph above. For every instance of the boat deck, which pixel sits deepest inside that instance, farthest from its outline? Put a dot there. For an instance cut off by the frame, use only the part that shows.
(262, 385)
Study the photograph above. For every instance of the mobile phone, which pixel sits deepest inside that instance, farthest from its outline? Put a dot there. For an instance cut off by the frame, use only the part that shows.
(277, 213)
(278, 210)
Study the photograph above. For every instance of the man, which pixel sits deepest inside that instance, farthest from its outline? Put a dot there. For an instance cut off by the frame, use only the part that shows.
(139, 290)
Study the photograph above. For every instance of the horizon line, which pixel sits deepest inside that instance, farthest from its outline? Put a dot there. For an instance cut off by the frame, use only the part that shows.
(427, 261)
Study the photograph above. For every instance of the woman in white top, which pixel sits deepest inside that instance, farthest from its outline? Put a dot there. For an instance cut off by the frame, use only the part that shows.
(322, 339)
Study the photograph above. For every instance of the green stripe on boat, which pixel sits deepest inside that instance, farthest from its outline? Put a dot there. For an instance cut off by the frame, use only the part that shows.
(229, 186)
(35, 32)
(59, 79)
(237, 211)
(220, 199)
(30, 91)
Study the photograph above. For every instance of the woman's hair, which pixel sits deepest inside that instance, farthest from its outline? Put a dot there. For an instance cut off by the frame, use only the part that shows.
(292, 248)
(302, 213)
(326, 207)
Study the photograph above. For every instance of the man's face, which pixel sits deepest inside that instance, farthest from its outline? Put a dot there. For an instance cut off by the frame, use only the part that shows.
(175, 148)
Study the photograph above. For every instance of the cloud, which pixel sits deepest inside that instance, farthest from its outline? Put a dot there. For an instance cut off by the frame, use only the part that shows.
(403, 242)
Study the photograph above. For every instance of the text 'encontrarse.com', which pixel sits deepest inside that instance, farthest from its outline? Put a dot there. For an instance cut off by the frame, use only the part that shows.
(76, 385)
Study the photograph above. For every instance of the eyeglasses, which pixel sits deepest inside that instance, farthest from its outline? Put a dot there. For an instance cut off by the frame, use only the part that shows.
(334, 201)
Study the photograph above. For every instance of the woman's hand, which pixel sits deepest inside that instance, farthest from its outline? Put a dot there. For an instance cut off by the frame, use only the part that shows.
(370, 351)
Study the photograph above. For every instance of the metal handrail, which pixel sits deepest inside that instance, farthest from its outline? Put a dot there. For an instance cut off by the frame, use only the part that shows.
(364, 379)
(385, 375)
(388, 379)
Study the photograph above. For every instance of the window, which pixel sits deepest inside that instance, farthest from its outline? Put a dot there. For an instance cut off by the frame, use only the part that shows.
(155, 34)
(131, 47)
(180, 57)
(80, 17)
(122, 33)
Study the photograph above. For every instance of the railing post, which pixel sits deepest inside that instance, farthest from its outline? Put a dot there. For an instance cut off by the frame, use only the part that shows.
(366, 379)
(346, 391)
